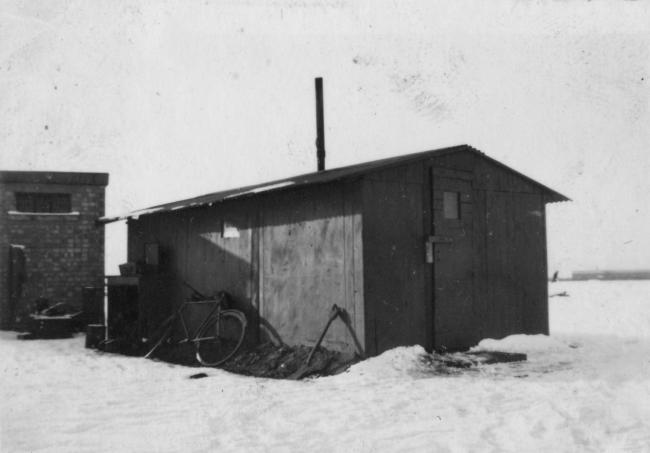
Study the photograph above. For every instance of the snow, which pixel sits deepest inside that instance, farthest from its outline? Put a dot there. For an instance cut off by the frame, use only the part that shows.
(521, 343)
(584, 388)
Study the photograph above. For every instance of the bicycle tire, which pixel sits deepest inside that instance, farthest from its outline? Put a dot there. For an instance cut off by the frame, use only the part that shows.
(221, 338)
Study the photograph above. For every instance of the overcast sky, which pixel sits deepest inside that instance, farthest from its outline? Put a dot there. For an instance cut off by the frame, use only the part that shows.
(178, 98)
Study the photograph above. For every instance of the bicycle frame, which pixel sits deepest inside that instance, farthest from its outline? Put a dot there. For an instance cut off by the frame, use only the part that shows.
(178, 314)
(213, 312)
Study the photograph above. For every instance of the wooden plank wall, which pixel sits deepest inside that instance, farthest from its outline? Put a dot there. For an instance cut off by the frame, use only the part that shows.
(509, 254)
(510, 284)
(310, 261)
(360, 245)
(162, 290)
(515, 254)
(298, 253)
(516, 264)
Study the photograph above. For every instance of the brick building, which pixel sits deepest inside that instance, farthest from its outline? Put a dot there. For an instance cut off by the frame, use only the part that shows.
(51, 244)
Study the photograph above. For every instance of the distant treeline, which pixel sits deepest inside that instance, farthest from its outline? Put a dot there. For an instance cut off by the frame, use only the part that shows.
(611, 275)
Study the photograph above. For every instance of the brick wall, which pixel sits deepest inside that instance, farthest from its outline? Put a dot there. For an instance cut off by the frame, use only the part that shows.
(63, 252)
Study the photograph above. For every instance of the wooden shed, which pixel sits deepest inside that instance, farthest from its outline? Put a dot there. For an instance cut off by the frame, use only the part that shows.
(440, 248)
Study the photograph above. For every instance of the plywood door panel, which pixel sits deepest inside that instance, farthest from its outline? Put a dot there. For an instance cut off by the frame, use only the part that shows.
(453, 265)
(303, 266)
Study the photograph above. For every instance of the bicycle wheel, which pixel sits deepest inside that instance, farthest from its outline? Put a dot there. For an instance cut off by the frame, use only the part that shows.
(220, 339)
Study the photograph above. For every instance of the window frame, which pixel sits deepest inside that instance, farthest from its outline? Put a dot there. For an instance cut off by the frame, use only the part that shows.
(451, 209)
(43, 202)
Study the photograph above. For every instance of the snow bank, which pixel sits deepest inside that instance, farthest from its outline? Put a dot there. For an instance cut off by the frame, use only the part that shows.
(397, 362)
(579, 391)
(521, 343)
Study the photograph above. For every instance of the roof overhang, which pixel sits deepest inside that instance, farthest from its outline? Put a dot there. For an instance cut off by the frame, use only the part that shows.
(321, 177)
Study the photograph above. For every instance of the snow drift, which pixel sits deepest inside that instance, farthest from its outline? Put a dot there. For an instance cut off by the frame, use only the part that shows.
(585, 391)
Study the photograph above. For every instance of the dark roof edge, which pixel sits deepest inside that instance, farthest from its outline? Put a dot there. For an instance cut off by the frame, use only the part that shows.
(552, 195)
(54, 177)
(322, 177)
(325, 176)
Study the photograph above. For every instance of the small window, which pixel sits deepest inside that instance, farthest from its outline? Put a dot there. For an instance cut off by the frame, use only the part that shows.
(451, 205)
(43, 202)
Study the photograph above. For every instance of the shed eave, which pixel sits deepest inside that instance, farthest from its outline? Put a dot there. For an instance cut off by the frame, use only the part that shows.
(321, 177)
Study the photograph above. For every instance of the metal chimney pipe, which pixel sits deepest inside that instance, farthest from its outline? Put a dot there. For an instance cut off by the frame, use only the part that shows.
(320, 125)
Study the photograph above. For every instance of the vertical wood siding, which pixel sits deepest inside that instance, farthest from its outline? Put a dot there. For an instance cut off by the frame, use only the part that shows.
(309, 264)
(361, 245)
(396, 279)
(508, 255)
(297, 254)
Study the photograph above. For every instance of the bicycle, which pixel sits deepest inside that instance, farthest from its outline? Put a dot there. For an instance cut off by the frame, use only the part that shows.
(217, 338)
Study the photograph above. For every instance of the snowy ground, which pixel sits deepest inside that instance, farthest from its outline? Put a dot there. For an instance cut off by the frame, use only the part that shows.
(585, 388)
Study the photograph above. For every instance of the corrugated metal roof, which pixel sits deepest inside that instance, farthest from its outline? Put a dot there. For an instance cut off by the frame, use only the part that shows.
(318, 178)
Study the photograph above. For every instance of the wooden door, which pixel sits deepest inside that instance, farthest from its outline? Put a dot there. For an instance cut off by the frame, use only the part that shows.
(450, 251)
(17, 275)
